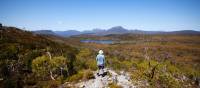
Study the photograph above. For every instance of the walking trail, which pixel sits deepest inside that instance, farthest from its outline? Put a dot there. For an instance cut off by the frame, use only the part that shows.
(122, 79)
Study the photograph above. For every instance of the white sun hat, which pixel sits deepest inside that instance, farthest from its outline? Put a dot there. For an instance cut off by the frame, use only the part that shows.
(100, 51)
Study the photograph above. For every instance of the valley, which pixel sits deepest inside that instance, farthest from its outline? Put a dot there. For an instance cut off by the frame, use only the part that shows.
(152, 60)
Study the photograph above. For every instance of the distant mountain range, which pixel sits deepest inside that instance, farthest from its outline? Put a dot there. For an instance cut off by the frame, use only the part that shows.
(67, 33)
(113, 30)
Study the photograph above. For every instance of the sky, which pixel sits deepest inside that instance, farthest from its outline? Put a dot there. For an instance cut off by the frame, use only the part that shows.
(60, 15)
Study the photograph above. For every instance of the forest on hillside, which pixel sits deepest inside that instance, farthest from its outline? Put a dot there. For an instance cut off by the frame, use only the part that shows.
(48, 61)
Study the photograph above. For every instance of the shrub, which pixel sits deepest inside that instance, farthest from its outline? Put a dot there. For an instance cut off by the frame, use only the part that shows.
(40, 66)
(190, 72)
(161, 77)
(58, 62)
(53, 84)
(48, 84)
(88, 74)
(76, 77)
(114, 85)
(168, 81)
(81, 75)
(28, 58)
(92, 64)
(85, 60)
(114, 63)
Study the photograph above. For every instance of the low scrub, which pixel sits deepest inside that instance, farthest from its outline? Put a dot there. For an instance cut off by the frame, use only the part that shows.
(81, 75)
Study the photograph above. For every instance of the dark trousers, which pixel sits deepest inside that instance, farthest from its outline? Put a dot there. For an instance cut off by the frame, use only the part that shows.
(100, 71)
(101, 67)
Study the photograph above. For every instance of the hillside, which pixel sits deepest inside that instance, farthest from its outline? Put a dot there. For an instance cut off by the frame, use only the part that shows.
(18, 48)
(158, 61)
(44, 32)
(136, 60)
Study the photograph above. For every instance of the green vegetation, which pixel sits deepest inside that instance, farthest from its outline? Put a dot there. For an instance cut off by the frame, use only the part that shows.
(81, 75)
(157, 74)
(28, 60)
(155, 60)
(40, 66)
(24, 61)
(113, 85)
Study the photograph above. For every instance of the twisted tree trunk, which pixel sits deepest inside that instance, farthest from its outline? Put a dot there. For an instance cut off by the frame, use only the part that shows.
(51, 74)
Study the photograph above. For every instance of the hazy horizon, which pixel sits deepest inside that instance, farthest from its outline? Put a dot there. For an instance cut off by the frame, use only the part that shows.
(110, 28)
(61, 15)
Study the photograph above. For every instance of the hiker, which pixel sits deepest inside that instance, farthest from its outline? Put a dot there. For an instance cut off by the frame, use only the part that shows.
(100, 62)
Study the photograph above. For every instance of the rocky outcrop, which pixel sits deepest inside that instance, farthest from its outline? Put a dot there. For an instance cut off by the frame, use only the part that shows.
(122, 79)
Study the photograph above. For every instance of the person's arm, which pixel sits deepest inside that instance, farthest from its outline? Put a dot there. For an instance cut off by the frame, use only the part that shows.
(97, 58)
(103, 59)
